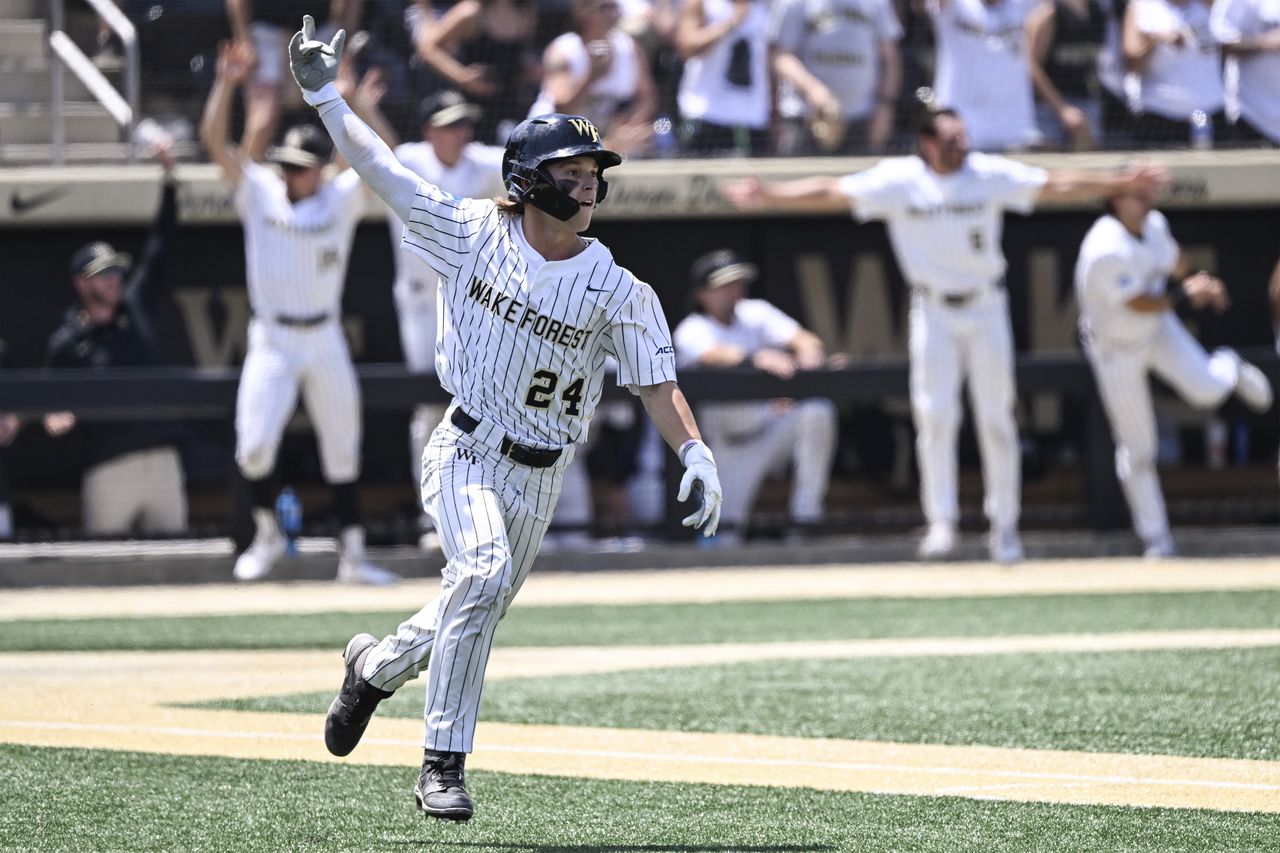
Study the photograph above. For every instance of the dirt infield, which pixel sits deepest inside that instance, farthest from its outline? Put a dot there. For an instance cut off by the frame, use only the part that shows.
(82, 705)
(1041, 577)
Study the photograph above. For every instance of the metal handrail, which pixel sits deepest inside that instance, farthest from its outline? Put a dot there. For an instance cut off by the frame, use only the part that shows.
(65, 53)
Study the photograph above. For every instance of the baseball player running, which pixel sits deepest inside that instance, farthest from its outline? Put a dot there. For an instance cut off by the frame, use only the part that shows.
(298, 232)
(1127, 323)
(944, 209)
(529, 312)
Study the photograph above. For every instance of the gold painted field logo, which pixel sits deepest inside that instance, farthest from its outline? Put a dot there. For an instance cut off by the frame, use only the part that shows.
(585, 128)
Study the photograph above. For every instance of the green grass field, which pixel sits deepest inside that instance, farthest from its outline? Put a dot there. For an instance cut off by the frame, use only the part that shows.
(1185, 702)
(77, 800)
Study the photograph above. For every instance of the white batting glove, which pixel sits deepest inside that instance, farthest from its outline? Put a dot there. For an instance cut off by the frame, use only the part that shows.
(314, 63)
(700, 478)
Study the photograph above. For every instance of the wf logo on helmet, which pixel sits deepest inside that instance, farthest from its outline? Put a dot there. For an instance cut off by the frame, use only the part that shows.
(585, 128)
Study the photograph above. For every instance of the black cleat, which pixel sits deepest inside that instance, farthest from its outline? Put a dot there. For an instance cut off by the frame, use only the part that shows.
(441, 790)
(350, 712)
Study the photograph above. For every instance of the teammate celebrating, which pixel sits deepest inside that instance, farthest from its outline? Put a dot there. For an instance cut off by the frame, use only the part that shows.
(298, 233)
(1129, 329)
(944, 208)
(529, 312)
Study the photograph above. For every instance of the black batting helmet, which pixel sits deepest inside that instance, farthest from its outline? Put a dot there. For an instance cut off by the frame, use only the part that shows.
(537, 141)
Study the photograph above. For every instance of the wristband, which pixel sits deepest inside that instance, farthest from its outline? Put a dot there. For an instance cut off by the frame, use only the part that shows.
(684, 448)
(1177, 293)
(327, 92)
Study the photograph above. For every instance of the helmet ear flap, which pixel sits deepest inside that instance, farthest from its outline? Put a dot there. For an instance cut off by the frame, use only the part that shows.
(602, 187)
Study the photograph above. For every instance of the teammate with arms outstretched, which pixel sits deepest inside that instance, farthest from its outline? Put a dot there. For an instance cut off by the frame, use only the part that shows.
(1130, 275)
(944, 209)
(529, 312)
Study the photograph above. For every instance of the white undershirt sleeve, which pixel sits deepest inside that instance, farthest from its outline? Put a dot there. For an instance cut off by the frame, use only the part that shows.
(370, 157)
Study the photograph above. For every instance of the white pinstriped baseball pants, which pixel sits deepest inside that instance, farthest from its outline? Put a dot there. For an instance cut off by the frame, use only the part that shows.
(946, 345)
(281, 362)
(491, 514)
(1201, 379)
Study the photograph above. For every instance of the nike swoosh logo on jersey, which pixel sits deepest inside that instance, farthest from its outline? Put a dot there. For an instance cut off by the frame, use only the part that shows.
(20, 204)
(597, 289)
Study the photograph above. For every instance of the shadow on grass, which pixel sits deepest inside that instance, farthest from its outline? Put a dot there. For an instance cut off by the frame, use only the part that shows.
(620, 848)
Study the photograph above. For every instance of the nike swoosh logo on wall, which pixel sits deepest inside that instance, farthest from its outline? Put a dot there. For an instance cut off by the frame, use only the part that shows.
(21, 204)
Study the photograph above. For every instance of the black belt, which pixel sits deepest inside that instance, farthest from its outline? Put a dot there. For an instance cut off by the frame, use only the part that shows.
(302, 322)
(523, 454)
(959, 300)
(952, 300)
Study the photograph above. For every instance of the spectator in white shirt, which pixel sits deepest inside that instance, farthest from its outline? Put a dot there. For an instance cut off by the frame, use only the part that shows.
(756, 437)
(839, 73)
(599, 72)
(1168, 45)
(1249, 33)
(983, 70)
(725, 94)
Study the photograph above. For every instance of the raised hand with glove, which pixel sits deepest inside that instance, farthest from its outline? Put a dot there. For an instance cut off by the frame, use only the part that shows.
(700, 480)
(314, 64)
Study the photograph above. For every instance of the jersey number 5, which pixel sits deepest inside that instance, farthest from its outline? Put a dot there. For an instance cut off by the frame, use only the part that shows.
(542, 388)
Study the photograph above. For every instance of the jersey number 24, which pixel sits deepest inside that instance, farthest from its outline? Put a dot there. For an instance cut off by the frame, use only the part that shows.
(542, 389)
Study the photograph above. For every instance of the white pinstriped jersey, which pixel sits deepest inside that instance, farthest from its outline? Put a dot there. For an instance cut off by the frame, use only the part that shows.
(524, 340)
(945, 229)
(1113, 267)
(477, 174)
(296, 254)
(982, 69)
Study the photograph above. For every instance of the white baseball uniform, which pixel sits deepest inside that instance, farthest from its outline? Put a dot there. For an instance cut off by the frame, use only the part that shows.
(945, 231)
(477, 174)
(754, 438)
(296, 262)
(522, 347)
(1124, 345)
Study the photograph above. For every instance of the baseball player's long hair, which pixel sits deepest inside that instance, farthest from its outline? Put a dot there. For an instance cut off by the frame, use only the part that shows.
(507, 207)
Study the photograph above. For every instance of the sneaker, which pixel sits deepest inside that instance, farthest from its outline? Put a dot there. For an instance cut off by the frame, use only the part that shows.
(1005, 546)
(355, 703)
(257, 561)
(1160, 548)
(939, 542)
(1252, 387)
(441, 790)
(362, 571)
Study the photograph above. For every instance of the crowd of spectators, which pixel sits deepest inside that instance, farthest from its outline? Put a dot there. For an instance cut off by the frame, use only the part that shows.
(765, 77)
